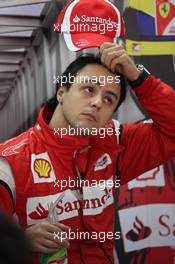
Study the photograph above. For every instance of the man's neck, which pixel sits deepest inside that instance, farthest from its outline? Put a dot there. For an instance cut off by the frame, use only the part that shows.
(57, 120)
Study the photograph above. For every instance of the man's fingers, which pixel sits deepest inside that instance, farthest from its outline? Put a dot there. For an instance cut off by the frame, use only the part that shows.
(116, 61)
(55, 228)
(63, 227)
(61, 238)
(105, 46)
(108, 46)
(50, 235)
(58, 235)
(53, 242)
(47, 238)
(50, 243)
(65, 243)
(111, 56)
(44, 249)
(105, 53)
(51, 228)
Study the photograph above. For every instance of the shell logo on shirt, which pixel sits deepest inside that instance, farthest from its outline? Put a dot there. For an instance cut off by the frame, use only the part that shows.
(42, 168)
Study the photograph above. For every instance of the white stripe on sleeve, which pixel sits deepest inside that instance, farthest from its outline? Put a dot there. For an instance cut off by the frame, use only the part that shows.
(6, 175)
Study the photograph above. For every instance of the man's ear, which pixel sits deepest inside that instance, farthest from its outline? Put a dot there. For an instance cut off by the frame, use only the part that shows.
(60, 94)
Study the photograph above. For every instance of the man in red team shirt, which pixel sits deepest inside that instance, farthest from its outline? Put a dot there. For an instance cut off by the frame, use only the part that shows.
(33, 163)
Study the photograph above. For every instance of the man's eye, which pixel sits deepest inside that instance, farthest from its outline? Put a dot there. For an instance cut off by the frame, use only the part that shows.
(108, 100)
(88, 89)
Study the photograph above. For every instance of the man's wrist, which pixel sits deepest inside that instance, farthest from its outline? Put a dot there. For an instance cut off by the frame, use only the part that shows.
(134, 76)
(142, 76)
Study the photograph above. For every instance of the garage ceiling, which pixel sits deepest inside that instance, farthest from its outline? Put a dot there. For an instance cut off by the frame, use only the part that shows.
(20, 22)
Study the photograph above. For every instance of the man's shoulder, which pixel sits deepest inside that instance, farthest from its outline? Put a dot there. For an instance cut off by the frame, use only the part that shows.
(112, 131)
(15, 145)
(113, 123)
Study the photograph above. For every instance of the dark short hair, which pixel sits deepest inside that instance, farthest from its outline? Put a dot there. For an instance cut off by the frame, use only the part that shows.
(74, 68)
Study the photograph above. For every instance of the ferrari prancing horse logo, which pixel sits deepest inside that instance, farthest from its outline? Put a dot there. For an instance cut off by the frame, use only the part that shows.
(164, 9)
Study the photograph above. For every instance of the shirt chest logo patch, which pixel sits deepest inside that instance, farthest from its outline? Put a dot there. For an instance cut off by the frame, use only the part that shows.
(42, 169)
(103, 162)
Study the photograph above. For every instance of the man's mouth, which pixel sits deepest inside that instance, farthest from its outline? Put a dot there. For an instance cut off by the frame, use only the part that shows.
(90, 116)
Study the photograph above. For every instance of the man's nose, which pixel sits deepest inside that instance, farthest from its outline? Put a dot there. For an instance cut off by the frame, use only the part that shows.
(97, 101)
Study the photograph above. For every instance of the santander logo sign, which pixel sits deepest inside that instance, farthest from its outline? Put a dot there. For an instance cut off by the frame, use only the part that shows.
(96, 19)
(93, 202)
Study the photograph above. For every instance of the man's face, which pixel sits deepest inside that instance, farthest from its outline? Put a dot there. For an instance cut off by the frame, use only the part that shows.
(92, 99)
